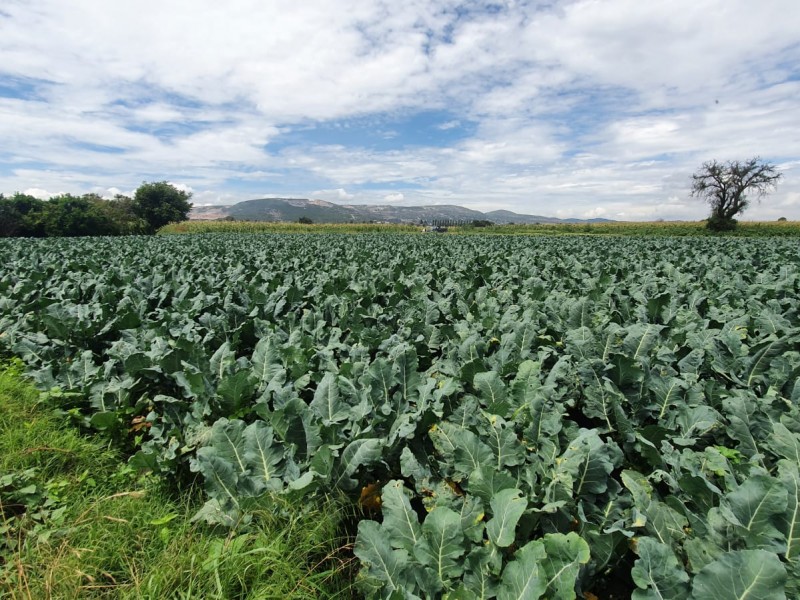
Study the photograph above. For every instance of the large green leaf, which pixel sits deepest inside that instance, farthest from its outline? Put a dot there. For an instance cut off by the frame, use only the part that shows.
(566, 555)
(657, 573)
(486, 481)
(405, 371)
(503, 441)
(227, 442)
(523, 578)
(462, 446)
(752, 509)
(492, 391)
(441, 547)
(356, 454)
(263, 455)
(741, 575)
(659, 519)
(327, 404)
(789, 520)
(380, 562)
(266, 363)
(507, 508)
(478, 574)
(399, 519)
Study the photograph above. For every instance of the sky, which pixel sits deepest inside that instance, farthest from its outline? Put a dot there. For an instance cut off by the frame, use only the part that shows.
(566, 108)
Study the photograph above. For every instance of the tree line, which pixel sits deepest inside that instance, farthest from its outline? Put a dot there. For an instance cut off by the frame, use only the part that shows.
(153, 205)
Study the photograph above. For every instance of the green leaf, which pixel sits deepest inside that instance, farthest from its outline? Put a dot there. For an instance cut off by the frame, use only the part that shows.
(442, 545)
(380, 562)
(405, 371)
(741, 575)
(467, 450)
(761, 356)
(221, 480)
(486, 481)
(640, 339)
(789, 521)
(526, 382)
(326, 403)
(785, 443)
(472, 515)
(399, 519)
(657, 573)
(589, 461)
(492, 390)
(659, 519)
(356, 454)
(752, 509)
(266, 362)
(227, 442)
(503, 441)
(478, 574)
(263, 455)
(235, 390)
(222, 361)
(507, 508)
(565, 556)
(523, 577)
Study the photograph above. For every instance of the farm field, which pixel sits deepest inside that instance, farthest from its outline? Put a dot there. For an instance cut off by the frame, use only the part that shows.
(660, 229)
(516, 416)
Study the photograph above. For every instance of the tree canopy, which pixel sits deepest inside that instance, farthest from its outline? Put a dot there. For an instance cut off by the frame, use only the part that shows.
(160, 203)
(154, 205)
(726, 185)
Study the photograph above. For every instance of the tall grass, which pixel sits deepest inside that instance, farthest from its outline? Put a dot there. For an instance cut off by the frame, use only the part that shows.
(661, 228)
(75, 522)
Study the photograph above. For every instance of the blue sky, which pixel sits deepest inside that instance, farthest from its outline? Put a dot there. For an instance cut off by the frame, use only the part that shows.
(575, 108)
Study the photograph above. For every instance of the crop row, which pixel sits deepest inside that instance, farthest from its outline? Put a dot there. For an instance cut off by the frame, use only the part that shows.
(535, 417)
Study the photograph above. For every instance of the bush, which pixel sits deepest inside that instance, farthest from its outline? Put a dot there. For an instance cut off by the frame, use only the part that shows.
(715, 223)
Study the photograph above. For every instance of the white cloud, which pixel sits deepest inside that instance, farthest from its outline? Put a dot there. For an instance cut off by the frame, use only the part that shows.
(575, 106)
(449, 125)
(40, 193)
(396, 197)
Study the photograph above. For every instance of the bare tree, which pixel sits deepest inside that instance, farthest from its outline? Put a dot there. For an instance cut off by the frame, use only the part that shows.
(725, 187)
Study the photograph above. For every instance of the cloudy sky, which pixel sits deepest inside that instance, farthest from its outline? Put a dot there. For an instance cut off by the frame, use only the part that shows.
(571, 108)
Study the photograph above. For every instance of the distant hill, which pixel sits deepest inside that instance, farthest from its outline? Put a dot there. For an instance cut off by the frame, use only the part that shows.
(320, 211)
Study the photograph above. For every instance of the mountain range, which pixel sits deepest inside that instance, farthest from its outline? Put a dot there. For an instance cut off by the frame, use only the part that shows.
(320, 211)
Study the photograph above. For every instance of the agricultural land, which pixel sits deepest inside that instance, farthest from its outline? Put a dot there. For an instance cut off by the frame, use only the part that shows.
(479, 416)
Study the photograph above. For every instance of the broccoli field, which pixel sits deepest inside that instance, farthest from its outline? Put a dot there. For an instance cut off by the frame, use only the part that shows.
(521, 418)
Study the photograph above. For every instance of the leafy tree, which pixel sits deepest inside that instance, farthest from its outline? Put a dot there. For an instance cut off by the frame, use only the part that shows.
(120, 209)
(75, 216)
(159, 203)
(305, 221)
(21, 215)
(725, 187)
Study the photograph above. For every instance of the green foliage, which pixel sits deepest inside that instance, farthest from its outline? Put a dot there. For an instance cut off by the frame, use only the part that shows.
(719, 224)
(76, 522)
(539, 416)
(159, 203)
(305, 221)
(68, 216)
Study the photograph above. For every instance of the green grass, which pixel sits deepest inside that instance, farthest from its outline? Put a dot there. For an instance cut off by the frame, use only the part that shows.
(661, 228)
(75, 522)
